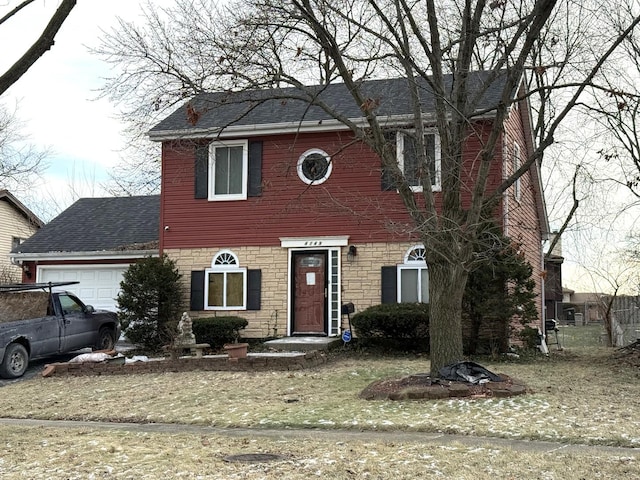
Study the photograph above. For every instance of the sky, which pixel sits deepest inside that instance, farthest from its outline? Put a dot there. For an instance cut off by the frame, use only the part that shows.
(57, 98)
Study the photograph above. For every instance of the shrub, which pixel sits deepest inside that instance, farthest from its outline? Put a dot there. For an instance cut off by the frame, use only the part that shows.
(150, 302)
(499, 290)
(395, 321)
(530, 338)
(216, 331)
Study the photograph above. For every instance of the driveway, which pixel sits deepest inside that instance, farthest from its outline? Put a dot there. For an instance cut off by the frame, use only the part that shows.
(36, 366)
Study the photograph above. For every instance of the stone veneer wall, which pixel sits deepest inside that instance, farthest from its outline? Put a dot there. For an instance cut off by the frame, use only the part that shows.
(360, 279)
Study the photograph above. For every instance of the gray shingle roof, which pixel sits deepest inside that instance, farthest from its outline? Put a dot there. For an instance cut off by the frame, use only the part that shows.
(276, 106)
(99, 224)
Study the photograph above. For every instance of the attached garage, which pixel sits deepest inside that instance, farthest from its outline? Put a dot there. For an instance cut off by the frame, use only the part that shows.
(99, 285)
(92, 242)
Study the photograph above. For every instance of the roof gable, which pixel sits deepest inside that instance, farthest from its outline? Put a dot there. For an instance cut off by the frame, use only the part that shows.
(99, 224)
(6, 196)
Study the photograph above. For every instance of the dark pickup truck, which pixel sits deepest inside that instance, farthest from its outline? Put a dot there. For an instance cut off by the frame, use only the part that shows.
(36, 321)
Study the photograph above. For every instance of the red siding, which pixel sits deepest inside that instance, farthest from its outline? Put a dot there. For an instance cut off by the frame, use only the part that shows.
(350, 202)
(521, 220)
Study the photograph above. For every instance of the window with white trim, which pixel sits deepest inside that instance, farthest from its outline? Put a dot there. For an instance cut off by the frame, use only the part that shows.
(517, 189)
(413, 277)
(314, 166)
(228, 170)
(15, 242)
(409, 161)
(225, 286)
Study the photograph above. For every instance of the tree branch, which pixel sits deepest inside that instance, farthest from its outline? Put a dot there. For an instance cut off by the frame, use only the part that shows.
(39, 48)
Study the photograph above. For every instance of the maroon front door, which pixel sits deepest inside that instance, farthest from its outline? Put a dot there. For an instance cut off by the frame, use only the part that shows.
(309, 292)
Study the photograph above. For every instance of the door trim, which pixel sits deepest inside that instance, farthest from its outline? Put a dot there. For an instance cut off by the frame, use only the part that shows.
(334, 293)
(292, 306)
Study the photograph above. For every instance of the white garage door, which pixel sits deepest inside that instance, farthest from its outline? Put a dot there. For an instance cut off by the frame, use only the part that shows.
(99, 285)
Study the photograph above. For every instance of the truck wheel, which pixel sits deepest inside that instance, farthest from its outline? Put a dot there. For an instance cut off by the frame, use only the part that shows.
(106, 339)
(15, 362)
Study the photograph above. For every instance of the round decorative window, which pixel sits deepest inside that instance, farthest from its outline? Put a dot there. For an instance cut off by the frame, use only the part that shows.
(314, 166)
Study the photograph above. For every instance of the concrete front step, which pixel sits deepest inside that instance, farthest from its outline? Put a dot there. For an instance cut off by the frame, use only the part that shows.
(303, 344)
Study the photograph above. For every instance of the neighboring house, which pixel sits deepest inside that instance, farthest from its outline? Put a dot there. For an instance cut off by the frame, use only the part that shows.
(553, 292)
(17, 223)
(273, 211)
(582, 308)
(93, 241)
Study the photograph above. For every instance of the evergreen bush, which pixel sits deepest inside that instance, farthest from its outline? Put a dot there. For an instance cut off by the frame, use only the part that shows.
(216, 331)
(150, 302)
(395, 321)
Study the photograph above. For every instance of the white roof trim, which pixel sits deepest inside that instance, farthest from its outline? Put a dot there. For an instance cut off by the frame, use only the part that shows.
(316, 126)
(314, 242)
(66, 256)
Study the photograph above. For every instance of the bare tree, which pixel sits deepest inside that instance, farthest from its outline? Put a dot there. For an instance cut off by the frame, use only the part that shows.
(19, 161)
(612, 281)
(615, 105)
(297, 43)
(39, 47)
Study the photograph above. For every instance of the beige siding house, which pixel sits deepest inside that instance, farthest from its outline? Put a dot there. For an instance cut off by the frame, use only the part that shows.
(17, 223)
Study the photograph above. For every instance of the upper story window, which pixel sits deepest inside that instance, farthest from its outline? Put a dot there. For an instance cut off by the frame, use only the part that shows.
(517, 188)
(410, 163)
(314, 166)
(225, 283)
(15, 242)
(228, 170)
(413, 277)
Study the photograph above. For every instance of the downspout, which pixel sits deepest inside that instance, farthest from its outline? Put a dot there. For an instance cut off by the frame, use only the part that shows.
(542, 295)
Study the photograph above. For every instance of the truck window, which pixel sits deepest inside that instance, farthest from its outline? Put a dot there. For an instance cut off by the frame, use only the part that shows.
(69, 304)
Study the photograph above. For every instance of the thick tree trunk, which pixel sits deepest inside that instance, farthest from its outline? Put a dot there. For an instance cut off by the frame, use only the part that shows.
(446, 287)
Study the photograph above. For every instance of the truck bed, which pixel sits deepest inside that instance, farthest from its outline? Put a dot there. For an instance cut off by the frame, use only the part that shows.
(23, 305)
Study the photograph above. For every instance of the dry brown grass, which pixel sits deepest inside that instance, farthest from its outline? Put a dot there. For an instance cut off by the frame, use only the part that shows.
(46, 453)
(577, 398)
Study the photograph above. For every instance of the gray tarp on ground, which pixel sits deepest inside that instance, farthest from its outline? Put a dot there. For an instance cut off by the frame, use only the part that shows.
(470, 372)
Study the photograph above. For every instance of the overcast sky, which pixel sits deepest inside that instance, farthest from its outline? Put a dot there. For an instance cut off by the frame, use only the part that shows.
(56, 98)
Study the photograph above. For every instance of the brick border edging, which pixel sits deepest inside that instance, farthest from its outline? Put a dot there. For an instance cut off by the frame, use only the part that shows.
(189, 364)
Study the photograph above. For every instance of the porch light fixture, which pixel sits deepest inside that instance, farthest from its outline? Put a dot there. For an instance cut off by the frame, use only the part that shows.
(352, 252)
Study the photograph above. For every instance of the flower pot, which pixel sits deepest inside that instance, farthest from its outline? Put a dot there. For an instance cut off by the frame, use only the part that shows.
(236, 350)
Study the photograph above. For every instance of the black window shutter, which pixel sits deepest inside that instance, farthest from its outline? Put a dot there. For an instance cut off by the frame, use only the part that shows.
(430, 144)
(254, 292)
(197, 290)
(387, 179)
(255, 169)
(201, 169)
(389, 287)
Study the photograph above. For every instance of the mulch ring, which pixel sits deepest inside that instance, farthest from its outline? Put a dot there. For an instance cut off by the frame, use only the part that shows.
(423, 387)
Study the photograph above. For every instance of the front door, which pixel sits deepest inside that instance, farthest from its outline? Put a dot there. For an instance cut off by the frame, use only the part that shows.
(309, 293)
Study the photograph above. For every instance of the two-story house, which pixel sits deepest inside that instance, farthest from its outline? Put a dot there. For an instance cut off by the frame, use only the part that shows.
(17, 223)
(274, 211)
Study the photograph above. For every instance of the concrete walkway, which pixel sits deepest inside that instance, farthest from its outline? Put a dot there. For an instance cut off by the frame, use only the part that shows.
(337, 435)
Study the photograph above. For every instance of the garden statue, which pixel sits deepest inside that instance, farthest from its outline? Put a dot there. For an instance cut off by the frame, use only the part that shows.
(185, 331)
